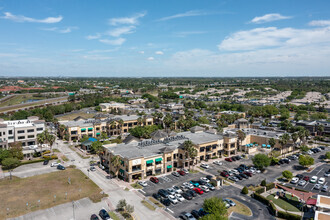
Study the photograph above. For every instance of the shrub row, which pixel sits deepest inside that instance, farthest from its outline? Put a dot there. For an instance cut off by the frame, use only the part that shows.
(287, 215)
(261, 190)
(50, 157)
(31, 161)
(270, 186)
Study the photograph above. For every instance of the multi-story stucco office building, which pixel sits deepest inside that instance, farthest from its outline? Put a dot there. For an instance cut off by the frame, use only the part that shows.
(94, 127)
(24, 131)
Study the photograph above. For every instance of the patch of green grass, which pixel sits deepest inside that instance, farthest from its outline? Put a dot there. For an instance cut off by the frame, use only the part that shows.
(136, 186)
(283, 204)
(201, 168)
(146, 204)
(156, 202)
(193, 171)
(114, 216)
(56, 150)
(126, 189)
(240, 208)
(64, 158)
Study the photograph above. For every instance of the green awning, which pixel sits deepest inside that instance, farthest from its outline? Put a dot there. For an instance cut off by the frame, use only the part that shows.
(121, 171)
(83, 129)
(159, 159)
(90, 129)
(169, 166)
(98, 133)
(149, 161)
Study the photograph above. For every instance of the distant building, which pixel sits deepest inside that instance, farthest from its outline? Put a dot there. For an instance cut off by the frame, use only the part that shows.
(24, 131)
(107, 107)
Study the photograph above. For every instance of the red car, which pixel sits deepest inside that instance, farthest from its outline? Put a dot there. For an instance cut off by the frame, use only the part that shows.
(224, 174)
(229, 159)
(154, 179)
(306, 178)
(199, 191)
(248, 174)
(181, 172)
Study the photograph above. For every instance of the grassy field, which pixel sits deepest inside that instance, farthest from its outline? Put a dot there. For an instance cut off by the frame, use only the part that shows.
(283, 204)
(18, 99)
(75, 115)
(16, 193)
(239, 208)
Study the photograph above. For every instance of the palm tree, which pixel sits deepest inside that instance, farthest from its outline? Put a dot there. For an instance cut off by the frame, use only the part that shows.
(241, 136)
(272, 142)
(116, 162)
(190, 151)
(301, 135)
(41, 138)
(61, 130)
(294, 137)
(140, 121)
(167, 120)
(320, 129)
(284, 140)
(50, 139)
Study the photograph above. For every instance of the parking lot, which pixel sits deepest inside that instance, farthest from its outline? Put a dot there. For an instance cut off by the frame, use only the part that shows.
(319, 172)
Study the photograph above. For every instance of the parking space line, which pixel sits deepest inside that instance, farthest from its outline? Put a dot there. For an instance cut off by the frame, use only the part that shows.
(170, 210)
(305, 185)
(319, 171)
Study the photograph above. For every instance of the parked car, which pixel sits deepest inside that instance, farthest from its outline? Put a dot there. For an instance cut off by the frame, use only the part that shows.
(300, 176)
(239, 177)
(233, 178)
(249, 174)
(230, 202)
(94, 217)
(194, 183)
(202, 182)
(244, 176)
(45, 162)
(154, 179)
(226, 203)
(324, 189)
(210, 186)
(306, 178)
(327, 174)
(321, 180)
(199, 191)
(182, 173)
(192, 193)
(217, 163)
(205, 189)
(163, 193)
(195, 214)
(157, 196)
(177, 189)
(179, 197)
(187, 196)
(205, 179)
(92, 168)
(302, 182)
(173, 199)
(143, 183)
(317, 186)
(171, 191)
(313, 179)
(294, 180)
(54, 164)
(187, 216)
(228, 159)
(233, 158)
(243, 166)
(60, 167)
(209, 177)
(104, 214)
(185, 170)
(166, 202)
(204, 165)
(175, 174)
(202, 212)
(224, 174)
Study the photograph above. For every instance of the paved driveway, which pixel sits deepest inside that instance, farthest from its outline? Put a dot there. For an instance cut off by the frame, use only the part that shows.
(32, 170)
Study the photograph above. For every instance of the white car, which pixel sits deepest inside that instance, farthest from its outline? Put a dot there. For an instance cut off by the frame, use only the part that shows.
(310, 152)
(217, 163)
(173, 199)
(185, 170)
(317, 186)
(258, 171)
(294, 180)
(204, 165)
(302, 182)
(143, 183)
(204, 188)
(321, 180)
(171, 191)
(234, 171)
(313, 179)
(179, 197)
(327, 174)
(177, 189)
(55, 164)
(205, 179)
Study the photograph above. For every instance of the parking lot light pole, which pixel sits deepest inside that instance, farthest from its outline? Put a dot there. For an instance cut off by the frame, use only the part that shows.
(73, 210)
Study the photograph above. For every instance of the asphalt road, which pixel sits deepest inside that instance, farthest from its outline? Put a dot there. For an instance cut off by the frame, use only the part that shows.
(32, 170)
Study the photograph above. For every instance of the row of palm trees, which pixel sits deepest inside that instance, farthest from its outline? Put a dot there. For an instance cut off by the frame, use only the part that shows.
(46, 138)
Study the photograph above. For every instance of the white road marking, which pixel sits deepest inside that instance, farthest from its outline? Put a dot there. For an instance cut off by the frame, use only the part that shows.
(142, 191)
(170, 210)
(319, 171)
(305, 185)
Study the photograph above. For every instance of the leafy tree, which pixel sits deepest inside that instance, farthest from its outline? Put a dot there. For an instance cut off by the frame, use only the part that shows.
(97, 147)
(129, 208)
(104, 135)
(10, 163)
(327, 155)
(245, 190)
(121, 205)
(287, 174)
(263, 183)
(284, 140)
(213, 216)
(261, 161)
(215, 206)
(4, 153)
(16, 150)
(272, 142)
(305, 160)
(97, 108)
(304, 148)
(203, 120)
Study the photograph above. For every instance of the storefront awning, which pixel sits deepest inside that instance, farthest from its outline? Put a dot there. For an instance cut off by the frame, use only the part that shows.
(159, 159)
(90, 129)
(98, 133)
(169, 166)
(121, 171)
(83, 129)
(149, 161)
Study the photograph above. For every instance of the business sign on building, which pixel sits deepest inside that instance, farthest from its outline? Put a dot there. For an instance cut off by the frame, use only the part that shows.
(136, 162)
(74, 129)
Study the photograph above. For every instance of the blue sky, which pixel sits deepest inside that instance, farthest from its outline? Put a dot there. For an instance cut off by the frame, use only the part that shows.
(164, 38)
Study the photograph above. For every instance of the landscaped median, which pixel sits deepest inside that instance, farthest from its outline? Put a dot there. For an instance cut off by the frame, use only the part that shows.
(239, 208)
(22, 195)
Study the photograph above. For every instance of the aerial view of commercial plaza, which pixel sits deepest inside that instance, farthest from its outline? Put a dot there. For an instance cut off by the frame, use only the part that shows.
(154, 110)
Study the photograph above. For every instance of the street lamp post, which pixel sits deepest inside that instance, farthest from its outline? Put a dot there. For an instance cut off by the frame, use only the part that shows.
(73, 210)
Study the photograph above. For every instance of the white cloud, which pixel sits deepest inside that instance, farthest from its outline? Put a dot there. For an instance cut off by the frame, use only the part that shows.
(187, 33)
(159, 52)
(319, 23)
(268, 18)
(121, 30)
(60, 30)
(117, 42)
(21, 18)
(150, 58)
(133, 20)
(96, 57)
(259, 38)
(94, 37)
(103, 51)
(185, 14)
(141, 52)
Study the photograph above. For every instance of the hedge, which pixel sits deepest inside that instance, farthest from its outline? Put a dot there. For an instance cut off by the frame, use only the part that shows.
(50, 157)
(287, 215)
(31, 161)
(270, 186)
(265, 201)
(261, 190)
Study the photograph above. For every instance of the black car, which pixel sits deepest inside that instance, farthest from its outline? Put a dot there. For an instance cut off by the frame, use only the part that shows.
(281, 161)
(240, 170)
(300, 176)
(195, 214)
(202, 182)
(237, 157)
(243, 166)
(286, 161)
(187, 196)
(209, 177)
(233, 158)
(104, 214)
(201, 212)
(94, 217)
(192, 193)
(46, 162)
(243, 175)
(166, 202)
(156, 196)
(60, 167)
(163, 193)
(239, 177)
(322, 147)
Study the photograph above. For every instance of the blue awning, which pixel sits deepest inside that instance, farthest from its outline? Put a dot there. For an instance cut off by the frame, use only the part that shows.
(264, 145)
